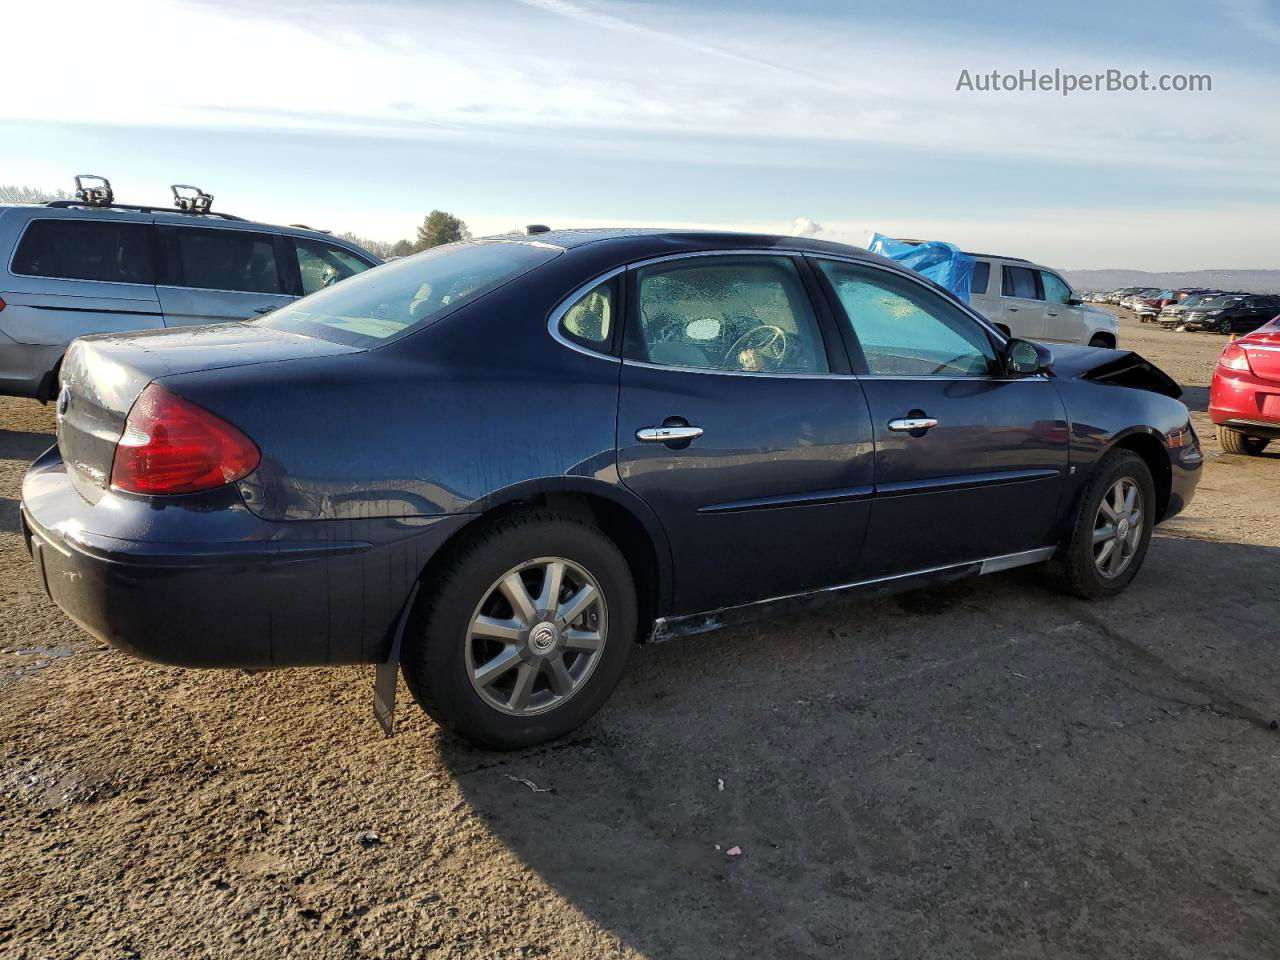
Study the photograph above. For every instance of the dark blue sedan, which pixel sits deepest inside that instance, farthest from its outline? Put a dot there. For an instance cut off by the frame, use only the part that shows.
(501, 463)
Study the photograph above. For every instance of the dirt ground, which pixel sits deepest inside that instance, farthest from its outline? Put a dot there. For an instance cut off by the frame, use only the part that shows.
(987, 770)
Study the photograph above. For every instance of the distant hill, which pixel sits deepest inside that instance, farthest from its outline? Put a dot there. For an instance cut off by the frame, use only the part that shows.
(1250, 281)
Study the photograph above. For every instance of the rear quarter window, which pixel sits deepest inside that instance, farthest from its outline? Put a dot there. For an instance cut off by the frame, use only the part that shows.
(109, 251)
(981, 277)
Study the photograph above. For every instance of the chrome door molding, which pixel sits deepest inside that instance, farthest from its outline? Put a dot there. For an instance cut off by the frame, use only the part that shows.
(669, 628)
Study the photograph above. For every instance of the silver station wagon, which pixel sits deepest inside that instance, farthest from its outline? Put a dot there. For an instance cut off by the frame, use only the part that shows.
(70, 268)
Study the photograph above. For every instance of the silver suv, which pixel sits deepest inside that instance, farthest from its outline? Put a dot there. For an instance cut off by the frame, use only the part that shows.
(90, 265)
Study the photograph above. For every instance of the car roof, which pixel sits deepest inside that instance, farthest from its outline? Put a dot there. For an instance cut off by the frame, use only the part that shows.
(621, 245)
(654, 241)
(168, 215)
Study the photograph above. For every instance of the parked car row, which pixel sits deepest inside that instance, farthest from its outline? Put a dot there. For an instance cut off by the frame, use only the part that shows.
(1220, 311)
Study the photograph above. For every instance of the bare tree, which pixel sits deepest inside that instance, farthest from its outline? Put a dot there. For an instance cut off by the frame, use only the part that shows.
(13, 193)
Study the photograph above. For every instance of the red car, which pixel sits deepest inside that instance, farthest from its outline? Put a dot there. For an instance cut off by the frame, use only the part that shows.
(1244, 400)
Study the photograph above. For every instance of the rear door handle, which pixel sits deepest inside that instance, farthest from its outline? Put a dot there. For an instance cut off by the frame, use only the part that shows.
(667, 434)
(911, 424)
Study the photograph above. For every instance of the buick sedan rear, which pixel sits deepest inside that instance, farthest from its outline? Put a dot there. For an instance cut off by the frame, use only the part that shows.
(500, 464)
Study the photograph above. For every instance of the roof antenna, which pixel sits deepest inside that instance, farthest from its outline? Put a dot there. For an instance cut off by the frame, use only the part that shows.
(94, 196)
(196, 201)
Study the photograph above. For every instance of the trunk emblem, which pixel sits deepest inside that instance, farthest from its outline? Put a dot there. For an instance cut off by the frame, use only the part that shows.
(64, 400)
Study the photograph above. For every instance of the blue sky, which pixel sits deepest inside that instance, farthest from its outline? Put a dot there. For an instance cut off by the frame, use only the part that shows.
(832, 119)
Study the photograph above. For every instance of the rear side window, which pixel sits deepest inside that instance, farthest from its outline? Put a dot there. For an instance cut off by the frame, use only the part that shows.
(225, 260)
(1019, 282)
(746, 314)
(322, 265)
(981, 277)
(397, 298)
(111, 251)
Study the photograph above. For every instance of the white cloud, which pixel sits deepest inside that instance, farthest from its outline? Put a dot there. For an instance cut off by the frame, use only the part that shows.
(804, 227)
(613, 76)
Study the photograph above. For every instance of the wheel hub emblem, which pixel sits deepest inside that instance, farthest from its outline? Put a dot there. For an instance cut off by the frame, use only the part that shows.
(543, 637)
(1122, 529)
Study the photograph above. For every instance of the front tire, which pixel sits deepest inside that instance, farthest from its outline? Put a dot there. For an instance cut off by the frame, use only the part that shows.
(1112, 530)
(1098, 340)
(524, 633)
(1233, 441)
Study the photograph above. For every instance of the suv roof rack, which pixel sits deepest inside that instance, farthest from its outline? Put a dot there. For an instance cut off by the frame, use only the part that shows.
(140, 208)
(196, 202)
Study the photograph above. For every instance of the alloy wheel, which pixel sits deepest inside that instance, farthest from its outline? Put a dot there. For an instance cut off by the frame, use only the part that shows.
(536, 636)
(1117, 528)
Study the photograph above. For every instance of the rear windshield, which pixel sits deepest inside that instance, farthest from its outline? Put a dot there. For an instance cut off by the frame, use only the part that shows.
(391, 300)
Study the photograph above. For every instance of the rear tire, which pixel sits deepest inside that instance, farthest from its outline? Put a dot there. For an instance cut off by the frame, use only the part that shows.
(1233, 441)
(475, 686)
(1085, 566)
(1099, 340)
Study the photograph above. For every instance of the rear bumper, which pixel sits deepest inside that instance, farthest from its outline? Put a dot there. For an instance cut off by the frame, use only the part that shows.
(1246, 402)
(26, 370)
(248, 593)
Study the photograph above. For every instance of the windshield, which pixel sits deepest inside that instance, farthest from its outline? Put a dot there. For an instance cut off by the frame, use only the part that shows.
(1224, 301)
(396, 298)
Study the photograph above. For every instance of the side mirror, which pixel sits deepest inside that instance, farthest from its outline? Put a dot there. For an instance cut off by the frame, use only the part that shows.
(1022, 358)
(1075, 302)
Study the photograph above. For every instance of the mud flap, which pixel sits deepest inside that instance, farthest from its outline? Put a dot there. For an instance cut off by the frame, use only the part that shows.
(384, 681)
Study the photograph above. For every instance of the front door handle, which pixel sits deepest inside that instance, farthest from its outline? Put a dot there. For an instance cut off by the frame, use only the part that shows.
(912, 424)
(668, 434)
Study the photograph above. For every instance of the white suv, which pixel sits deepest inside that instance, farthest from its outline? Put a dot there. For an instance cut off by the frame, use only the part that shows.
(1032, 302)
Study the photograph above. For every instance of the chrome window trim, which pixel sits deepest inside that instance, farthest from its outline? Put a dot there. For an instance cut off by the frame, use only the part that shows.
(553, 321)
(738, 373)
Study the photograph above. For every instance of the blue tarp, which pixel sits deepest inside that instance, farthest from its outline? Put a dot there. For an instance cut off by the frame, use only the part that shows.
(943, 263)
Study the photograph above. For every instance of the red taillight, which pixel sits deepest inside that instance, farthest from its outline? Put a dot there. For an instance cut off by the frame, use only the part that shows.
(2, 303)
(170, 445)
(1235, 357)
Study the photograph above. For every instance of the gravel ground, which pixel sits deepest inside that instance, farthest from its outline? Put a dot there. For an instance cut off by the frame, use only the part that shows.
(986, 770)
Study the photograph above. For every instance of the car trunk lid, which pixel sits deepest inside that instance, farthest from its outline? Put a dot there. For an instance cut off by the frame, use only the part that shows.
(103, 376)
(1263, 350)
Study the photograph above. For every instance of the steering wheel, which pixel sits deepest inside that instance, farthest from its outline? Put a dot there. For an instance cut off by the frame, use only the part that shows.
(762, 349)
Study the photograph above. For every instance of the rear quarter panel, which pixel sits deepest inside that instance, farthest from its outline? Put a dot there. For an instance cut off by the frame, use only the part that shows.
(440, 422)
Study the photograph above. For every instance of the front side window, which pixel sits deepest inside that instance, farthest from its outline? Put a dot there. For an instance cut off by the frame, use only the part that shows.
(235, 260)
(112, 251)
(905, 329)
(747, 314)
(981, 277)
(1055, 288)
(590, 321)
(1019, 282)
(322, 265)
(399, 297)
